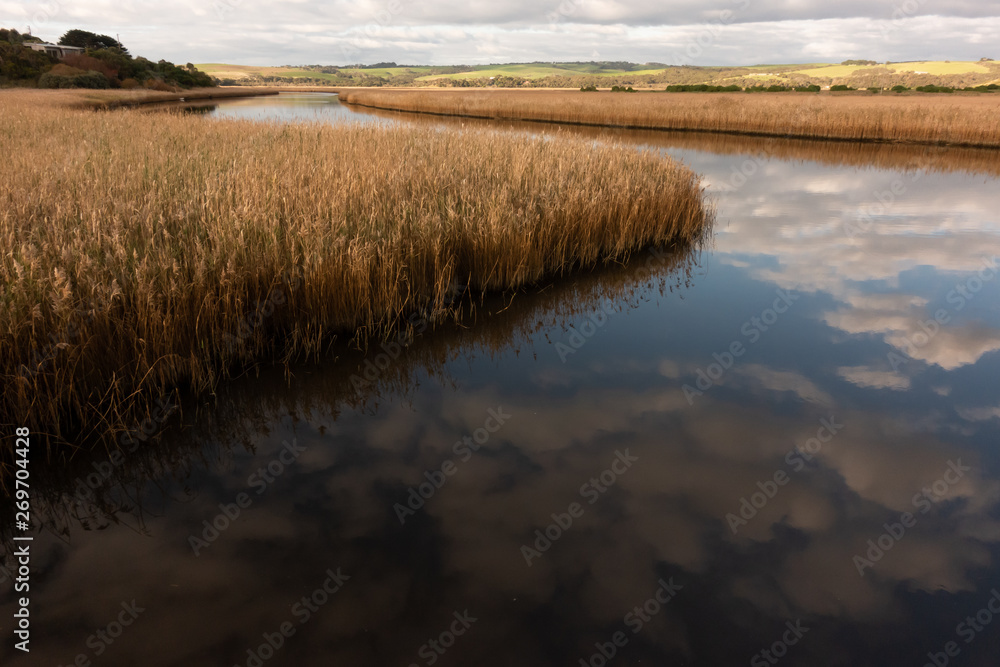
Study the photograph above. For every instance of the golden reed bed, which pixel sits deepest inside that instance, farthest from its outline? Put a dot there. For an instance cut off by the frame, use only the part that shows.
(148, 251)
(961, 120)
(881, 155)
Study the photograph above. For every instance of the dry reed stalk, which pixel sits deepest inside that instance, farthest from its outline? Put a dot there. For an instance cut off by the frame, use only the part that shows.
(899, 156)
(145, 252)
(961, 120)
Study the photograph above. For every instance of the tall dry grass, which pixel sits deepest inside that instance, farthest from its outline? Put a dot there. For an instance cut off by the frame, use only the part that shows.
(964, 120)
(902, 156)
(119, 99)
(145, 252)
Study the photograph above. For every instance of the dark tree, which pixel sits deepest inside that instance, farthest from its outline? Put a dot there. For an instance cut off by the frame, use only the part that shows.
(14, 37)
(90, 40)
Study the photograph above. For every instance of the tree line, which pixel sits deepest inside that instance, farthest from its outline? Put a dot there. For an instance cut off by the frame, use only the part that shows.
(104, 63)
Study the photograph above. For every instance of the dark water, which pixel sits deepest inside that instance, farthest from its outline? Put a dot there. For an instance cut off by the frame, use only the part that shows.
(779, 450)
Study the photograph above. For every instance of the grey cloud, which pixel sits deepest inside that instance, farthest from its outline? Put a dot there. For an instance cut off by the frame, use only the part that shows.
(262, 33)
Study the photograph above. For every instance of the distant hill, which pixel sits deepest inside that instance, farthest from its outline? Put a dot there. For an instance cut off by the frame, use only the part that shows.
(573, 75)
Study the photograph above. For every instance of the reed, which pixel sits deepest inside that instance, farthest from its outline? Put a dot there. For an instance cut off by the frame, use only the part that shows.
(149, 252)
(901, 156)
(966, 120)
(119, 99)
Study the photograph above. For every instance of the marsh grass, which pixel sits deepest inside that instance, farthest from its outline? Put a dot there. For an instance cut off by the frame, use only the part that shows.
(119, 99)
(966, 120)
(145, 253)
(903, 156)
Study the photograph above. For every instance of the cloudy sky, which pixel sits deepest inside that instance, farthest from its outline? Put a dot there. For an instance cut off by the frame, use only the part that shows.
(717, 32)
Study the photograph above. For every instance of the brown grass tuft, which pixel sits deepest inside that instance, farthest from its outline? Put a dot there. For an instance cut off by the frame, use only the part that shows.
(964, 120)
(144, 252)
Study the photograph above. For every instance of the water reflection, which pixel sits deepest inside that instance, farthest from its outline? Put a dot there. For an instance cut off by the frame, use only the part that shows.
(287, 107)
(198, 109)
(801, 455)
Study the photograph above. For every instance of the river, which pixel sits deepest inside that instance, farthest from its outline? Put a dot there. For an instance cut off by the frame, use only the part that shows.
(780, 448)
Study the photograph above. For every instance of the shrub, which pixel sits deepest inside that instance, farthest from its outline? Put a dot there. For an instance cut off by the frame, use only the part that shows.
(935, 89)
(89, 79)
(840, 88)
(499, 82)
(18, 62)
(622, 89)
(89, 63)
(899, 89)
(701, 88)
(156, 84)
(813, 88)
(588, 89)
(874, 89)
(66, 70)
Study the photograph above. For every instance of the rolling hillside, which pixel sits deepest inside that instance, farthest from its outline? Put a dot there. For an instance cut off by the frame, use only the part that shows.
(572, 75)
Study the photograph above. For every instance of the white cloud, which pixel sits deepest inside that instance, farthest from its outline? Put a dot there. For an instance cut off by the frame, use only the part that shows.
(980, 414)
(453, 31)
(875, 379)
(782, 381)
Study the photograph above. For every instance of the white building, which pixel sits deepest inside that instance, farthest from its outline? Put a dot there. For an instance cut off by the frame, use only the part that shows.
(56, 50)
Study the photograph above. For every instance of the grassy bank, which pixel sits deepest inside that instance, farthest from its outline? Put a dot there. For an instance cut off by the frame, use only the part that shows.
(119, 99)
(901, 156)
(146, 252)
(960, 121)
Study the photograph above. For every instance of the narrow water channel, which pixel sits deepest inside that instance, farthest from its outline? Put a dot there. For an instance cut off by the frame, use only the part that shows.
(780, 449)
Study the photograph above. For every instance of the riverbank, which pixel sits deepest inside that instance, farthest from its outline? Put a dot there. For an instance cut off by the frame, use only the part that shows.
(118, 99)
(944, 120)
(154, 252)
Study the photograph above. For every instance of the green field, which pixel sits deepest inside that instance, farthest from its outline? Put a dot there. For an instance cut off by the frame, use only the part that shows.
(936, 68)
(224, 71)
(951, 72)
(527, 71)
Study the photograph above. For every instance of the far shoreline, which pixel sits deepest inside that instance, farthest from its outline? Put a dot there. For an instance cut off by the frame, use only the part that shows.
(493, 106)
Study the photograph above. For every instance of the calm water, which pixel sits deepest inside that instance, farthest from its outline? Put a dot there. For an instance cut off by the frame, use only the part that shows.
(779, 450)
